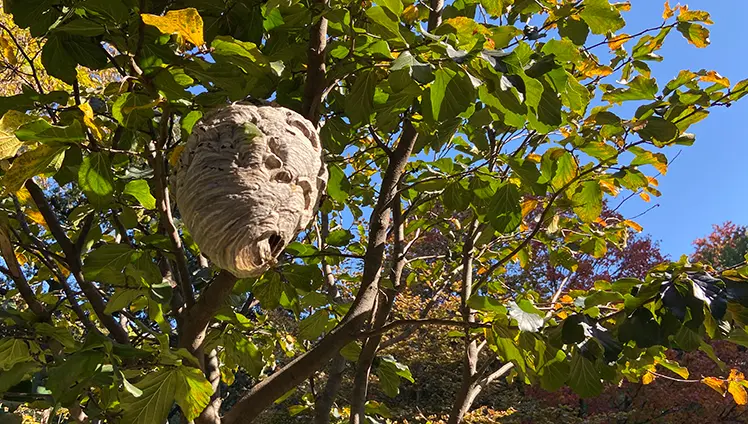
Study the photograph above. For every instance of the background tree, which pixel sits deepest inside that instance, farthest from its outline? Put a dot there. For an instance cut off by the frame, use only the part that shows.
(458, 118)
(725, 247)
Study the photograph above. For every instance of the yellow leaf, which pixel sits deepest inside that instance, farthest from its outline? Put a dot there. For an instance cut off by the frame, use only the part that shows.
(716, 384)
(534, 157)
(648, 378)
(695, 15)
(669, 12)
(23, 196)
(623, 6)
(590, 69)
(186, 23)
(9, 123)
(609, 187)
(618, 41)
(713, 76)
(88, 119)
(633, 225)
(21, 258)
(738, 393)
(8, 49)
(567, 299)
(736, 375)
(528, 206)
(410, 14)
(36, 217)
(562, 315)
(645, 196)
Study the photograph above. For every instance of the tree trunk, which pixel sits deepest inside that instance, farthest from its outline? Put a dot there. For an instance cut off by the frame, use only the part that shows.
(324, 402)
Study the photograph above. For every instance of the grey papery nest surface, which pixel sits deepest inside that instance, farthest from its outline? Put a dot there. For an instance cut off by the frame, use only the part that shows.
(249, 179)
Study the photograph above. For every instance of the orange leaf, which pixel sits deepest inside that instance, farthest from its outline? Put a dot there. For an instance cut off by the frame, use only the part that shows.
(609, 187)
(713, 76)
(633, 225)
(645, 196)
(618, 41)
(669, 12)
(623, 6)
(736, 375)
(567, 299)
(738, 393)
(716, 384)
(648, 378)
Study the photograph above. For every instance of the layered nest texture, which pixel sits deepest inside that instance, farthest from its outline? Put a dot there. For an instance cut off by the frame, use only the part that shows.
(249, 179)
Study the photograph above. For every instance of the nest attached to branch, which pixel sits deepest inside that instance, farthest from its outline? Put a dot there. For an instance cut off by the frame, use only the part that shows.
(248, 180)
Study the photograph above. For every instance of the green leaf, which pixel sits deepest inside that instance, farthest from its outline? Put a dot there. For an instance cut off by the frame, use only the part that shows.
(386, 20)
(153, 405)
(12, 352)
(268, 290)
(313, 326)
(390, 372)
(62, 335)
(659, 130)
(133, 110)
(121, 299)
(588, 202)
(16, 374)
(114, 10)
(566, 170)
(95, 179)
(359, 103)
(554, 373)
(696, 34)
(112, 257)
(584, 378)
(44, 132)
(640, 88)
(338, 184)
(31, 163)
(527, 316)
(505, 214)
(450, 94)
(244, 353)
(339, 237)
(140, 190)
(57, 62)
(601, 16)
(193, 391)
(486, 303)
(351, 351)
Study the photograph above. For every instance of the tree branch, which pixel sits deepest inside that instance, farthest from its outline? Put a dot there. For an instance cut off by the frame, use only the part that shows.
(267, 391)
(316, 56)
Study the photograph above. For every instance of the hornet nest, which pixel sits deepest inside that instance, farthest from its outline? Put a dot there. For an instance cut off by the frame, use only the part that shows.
(248, 180)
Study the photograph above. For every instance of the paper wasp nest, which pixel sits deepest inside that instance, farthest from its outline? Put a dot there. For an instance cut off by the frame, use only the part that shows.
(248, 180)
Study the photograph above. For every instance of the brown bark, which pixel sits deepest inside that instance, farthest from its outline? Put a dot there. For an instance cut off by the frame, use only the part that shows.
(324, 402)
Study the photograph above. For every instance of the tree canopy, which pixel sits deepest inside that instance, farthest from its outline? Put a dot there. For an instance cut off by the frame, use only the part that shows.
(465, 143)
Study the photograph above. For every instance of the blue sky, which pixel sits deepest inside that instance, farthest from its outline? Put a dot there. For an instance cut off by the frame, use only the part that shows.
(708, 183)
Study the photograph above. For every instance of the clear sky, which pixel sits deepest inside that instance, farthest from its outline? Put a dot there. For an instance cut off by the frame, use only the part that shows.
(708, 183)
